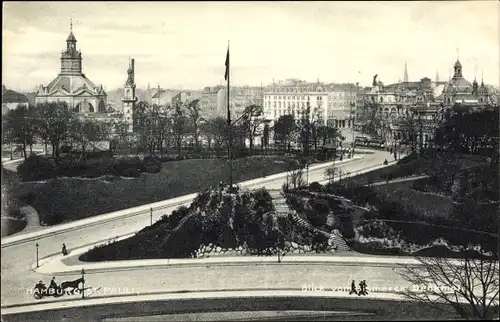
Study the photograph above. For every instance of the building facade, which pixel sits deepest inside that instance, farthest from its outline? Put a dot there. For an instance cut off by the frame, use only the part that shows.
(459, 90)
(72, 86)
(329, 104)
(213, 101)
(397, 107)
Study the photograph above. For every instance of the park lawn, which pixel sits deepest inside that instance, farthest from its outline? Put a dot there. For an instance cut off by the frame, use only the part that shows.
(67, 199)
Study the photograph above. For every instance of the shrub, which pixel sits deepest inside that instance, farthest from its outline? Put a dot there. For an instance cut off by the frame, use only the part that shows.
(99, 154)
(316, 187)
(131, 172)
(128, 163)
(106, 166)
(152, 164)
(295, 203)
(318, 212)
(36, 168)
(346, 227)
(65, 149)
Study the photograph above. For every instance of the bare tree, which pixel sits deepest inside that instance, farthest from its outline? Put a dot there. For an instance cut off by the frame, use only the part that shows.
(469, 286)
(296, 178)
(331, 173)
(19, 124)
(52, 124)
(194, 115)
(179, 126)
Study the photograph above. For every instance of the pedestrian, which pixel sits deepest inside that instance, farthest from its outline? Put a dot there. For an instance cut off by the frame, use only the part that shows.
(361, 289)
(353, 288)
(64, 250)
(362, 286)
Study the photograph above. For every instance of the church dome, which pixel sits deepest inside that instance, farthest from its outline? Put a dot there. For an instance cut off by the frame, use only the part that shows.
(458, 85)
(71, 37)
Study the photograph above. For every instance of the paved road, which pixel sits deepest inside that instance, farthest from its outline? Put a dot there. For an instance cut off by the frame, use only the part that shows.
(16, 261)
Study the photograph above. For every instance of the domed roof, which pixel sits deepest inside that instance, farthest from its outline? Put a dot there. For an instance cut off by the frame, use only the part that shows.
(458, 85)
(458, 64)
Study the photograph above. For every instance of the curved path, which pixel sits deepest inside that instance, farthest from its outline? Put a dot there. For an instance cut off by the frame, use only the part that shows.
(18, 277)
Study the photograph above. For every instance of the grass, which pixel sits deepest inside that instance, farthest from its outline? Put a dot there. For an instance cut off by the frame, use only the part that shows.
(67, 199)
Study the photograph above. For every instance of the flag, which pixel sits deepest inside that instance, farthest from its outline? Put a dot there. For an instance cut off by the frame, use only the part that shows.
(226, 75)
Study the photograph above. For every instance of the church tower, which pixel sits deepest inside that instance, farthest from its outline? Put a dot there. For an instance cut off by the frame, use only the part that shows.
(129, 97)
(405, 79)
(71, 59)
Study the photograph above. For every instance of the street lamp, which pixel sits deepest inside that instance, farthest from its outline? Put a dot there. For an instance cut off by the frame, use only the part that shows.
(307, 172)
(37, 256)
(151, 215)
(83, 283)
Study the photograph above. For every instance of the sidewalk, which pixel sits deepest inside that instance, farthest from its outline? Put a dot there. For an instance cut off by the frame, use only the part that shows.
(59, 264)
(212, 295)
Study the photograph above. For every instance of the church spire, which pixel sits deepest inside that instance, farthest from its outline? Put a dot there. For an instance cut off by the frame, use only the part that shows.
(406, 74)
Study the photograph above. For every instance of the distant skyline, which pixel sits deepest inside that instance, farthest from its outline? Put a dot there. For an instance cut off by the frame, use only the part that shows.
(183, 44)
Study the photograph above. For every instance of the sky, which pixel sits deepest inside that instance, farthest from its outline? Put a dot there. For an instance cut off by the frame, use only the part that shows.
(183, 44)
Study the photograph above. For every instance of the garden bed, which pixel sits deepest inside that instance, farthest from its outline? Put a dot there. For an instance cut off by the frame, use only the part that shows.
(66, 199)
(420, 239)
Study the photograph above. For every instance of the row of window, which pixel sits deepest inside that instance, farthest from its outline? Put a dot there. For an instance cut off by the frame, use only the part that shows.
(330, 94)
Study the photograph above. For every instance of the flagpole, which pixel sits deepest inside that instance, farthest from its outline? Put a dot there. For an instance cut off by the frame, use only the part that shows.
(229, 147)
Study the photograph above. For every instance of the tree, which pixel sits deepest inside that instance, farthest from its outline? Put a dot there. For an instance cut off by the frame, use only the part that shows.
(194, 115)
(284, 128)
(306, 128)
(331, 173)
(372, 118)
(468, 130)
(121, 135)
(328, 134)
(252, 122)
(21, 128)
(139, 115)
(296, 178)
(179, 126)
(470, 286)
(52, 124)
(216, 131)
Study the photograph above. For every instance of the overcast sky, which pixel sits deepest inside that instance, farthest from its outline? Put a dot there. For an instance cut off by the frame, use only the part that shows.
(183, 45)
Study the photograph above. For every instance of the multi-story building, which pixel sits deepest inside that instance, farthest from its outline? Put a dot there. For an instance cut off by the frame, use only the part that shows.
(213, 100)
(329, 104)
(341, 105)
(241, 97)
(185, 96)
(163, 97)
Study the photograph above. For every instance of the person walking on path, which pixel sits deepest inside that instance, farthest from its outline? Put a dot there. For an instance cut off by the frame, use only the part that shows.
(353, 288)
(64, 250)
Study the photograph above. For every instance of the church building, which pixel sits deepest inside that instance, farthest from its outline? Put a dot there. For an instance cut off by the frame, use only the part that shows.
(459, 90)
(72, 86)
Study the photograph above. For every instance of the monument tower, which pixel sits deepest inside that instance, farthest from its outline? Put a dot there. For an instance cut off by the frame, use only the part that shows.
(129, 97)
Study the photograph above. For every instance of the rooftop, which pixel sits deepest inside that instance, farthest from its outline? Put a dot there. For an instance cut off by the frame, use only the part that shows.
(10, 96)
